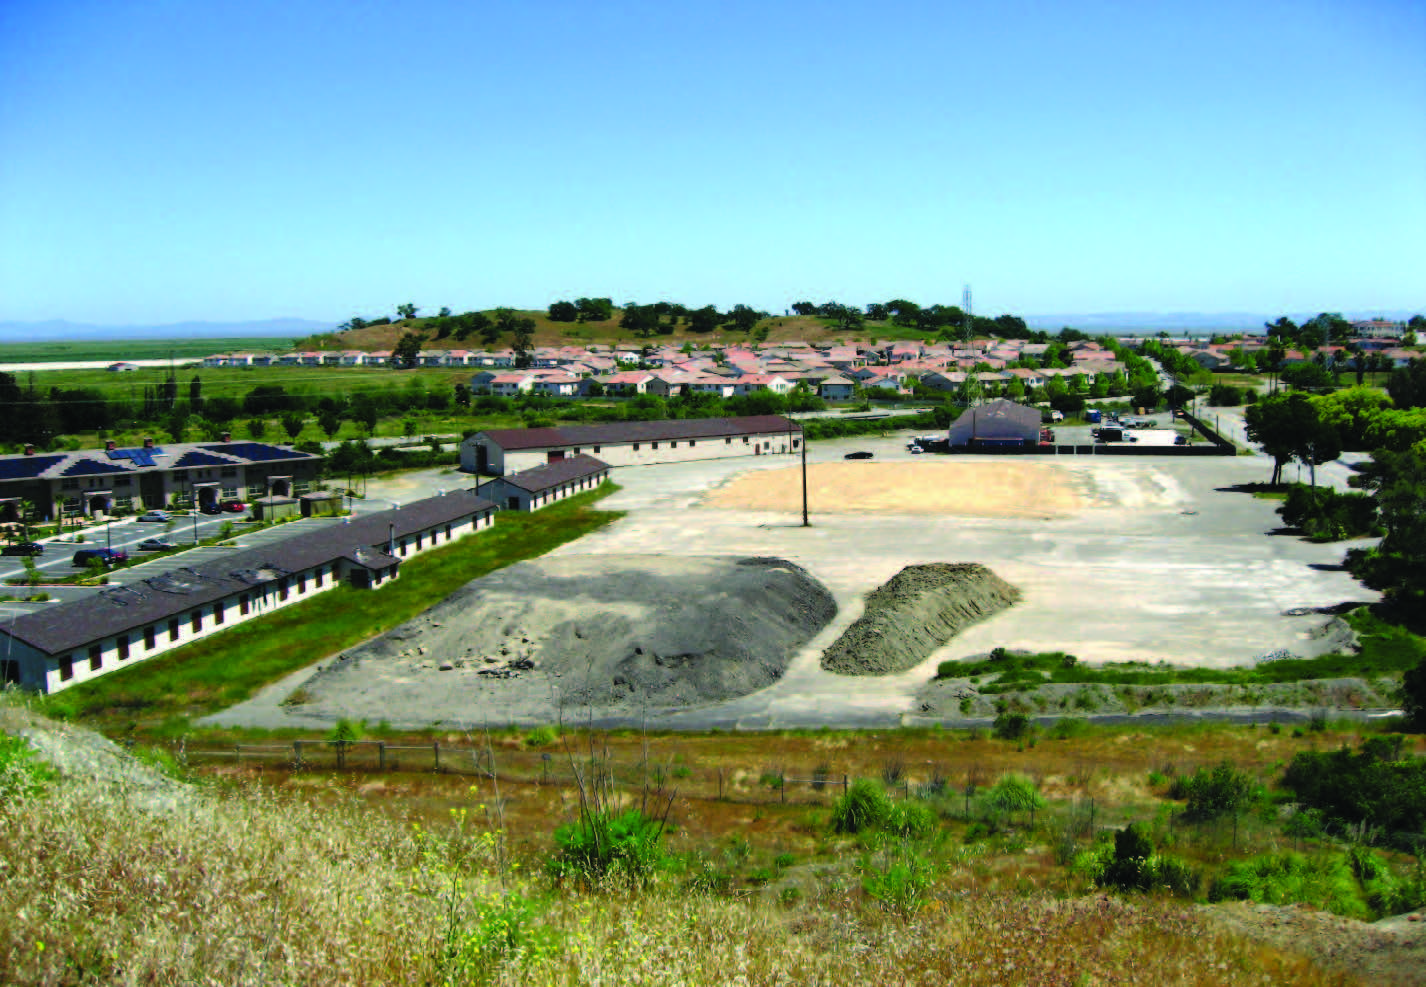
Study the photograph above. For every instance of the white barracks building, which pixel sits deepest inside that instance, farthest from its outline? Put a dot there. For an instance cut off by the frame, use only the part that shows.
(513, 450)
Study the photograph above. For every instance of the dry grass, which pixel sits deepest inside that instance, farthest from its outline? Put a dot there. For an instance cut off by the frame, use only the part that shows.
(244, 884)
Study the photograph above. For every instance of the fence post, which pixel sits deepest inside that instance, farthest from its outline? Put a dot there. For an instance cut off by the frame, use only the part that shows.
(782, 785)
(436, 754)
(381, 755)
(297, 753)
(844, 785)
(720, 784)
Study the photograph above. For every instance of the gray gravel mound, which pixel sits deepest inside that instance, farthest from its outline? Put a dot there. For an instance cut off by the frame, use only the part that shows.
(917, 611)
(608, 633)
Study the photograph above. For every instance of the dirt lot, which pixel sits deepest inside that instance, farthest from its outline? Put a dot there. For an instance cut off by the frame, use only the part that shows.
(1115, 559)
(997, 489)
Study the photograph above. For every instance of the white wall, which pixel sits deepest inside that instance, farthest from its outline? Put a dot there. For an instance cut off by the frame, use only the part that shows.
(625, 453)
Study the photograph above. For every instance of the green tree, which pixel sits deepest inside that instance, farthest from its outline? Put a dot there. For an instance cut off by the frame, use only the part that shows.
(329, 420)
(292, 424)
(1413, 696)
(563, 311)
(1407, 385)
(1275, 424)
(408, 351)
(1397, 565)
(406, 310)
(256, 428)
(595, 309)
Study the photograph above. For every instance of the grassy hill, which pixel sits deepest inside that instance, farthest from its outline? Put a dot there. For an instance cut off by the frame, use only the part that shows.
(775, 329)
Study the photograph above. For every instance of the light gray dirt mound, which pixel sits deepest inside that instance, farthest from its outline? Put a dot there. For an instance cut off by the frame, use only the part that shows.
(612, 633)
(917, 611)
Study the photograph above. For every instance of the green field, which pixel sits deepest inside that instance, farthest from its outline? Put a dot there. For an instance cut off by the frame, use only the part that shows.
(136, 349)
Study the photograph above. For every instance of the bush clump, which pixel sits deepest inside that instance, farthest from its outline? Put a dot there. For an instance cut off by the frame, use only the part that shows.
(864, 806)
(602, 846)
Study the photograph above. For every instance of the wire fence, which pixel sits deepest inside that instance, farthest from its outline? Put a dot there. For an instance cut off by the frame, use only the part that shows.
(562, 768)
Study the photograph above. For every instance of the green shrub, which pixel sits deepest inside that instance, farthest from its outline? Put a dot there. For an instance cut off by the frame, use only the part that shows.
(542, 736)
(600, 846)
(1324, 881)
(507, 931)
(909, 819)
(1011, 726)
(21, 773)
(900, 882)
(1069, 726)
(1213, 793)
(864, 806)
(1015, 793)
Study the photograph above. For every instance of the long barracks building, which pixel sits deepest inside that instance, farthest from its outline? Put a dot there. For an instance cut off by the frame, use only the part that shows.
(512, 450)
(54, 648)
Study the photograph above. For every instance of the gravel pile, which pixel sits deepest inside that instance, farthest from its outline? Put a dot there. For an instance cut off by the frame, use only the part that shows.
(608, 634)
(917, 611)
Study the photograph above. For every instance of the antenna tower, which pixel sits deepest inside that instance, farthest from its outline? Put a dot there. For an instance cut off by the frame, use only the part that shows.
(965, 308)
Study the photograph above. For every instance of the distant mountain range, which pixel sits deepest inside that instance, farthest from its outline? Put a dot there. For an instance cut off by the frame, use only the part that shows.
(58, 329)
(1188, 322)
(1198, 323)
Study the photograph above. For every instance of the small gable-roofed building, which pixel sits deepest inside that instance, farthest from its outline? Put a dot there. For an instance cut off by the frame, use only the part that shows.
(531, 489)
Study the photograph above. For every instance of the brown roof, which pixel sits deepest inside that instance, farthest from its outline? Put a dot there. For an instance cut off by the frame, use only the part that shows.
(560, 471)
(513, 439)
(176, 591)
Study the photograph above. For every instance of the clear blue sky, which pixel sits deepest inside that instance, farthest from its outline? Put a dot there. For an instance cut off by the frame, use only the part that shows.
(187, 159)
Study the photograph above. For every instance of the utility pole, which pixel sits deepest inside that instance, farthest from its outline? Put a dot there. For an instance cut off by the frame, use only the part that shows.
(805, 522)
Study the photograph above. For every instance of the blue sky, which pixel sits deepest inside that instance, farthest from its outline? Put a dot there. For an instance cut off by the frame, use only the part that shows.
(164, 161)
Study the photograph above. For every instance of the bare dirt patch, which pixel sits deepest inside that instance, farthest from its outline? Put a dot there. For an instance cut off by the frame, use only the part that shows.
(609, 635)
(917, 611)
(966, 489)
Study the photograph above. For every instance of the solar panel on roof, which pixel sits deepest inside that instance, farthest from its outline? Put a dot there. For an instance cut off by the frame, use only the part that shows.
(24, 467)
(195, 458)
(89, 467)
(254, 451)
(139, 456)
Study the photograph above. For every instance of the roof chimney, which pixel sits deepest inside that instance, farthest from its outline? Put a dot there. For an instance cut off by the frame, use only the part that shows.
(148, 441)
(227, 436)
(110, 446)
(29, 449)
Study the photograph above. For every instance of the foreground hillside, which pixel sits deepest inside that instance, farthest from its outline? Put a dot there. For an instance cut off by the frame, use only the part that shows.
(114, 874)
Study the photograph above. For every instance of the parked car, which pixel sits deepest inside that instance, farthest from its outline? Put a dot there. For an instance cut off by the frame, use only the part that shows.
(159, 516)
(233, 506)
(156, 545)
(857, 455)
(212, 508)
(23, 548)
(108, 556)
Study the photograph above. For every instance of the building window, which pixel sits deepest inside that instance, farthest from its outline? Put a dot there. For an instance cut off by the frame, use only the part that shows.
(301, 583)
(218, 612)
(419, 539)
(123, 642)
(576, 450)
(243, 604)
(673, 444)
(728, 441)
(150, 637)
(66, 668)
(636, 447)
(596, 450)
(197, 620)
(69, 483)
(282, 588)
(96, 657)
(745, 440)
(656, 445)
(692, 443)
(448, 532)
(173, 629)
(796, 443)
(318, 580)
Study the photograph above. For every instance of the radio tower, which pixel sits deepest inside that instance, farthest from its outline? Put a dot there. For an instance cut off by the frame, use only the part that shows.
(965, 308)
